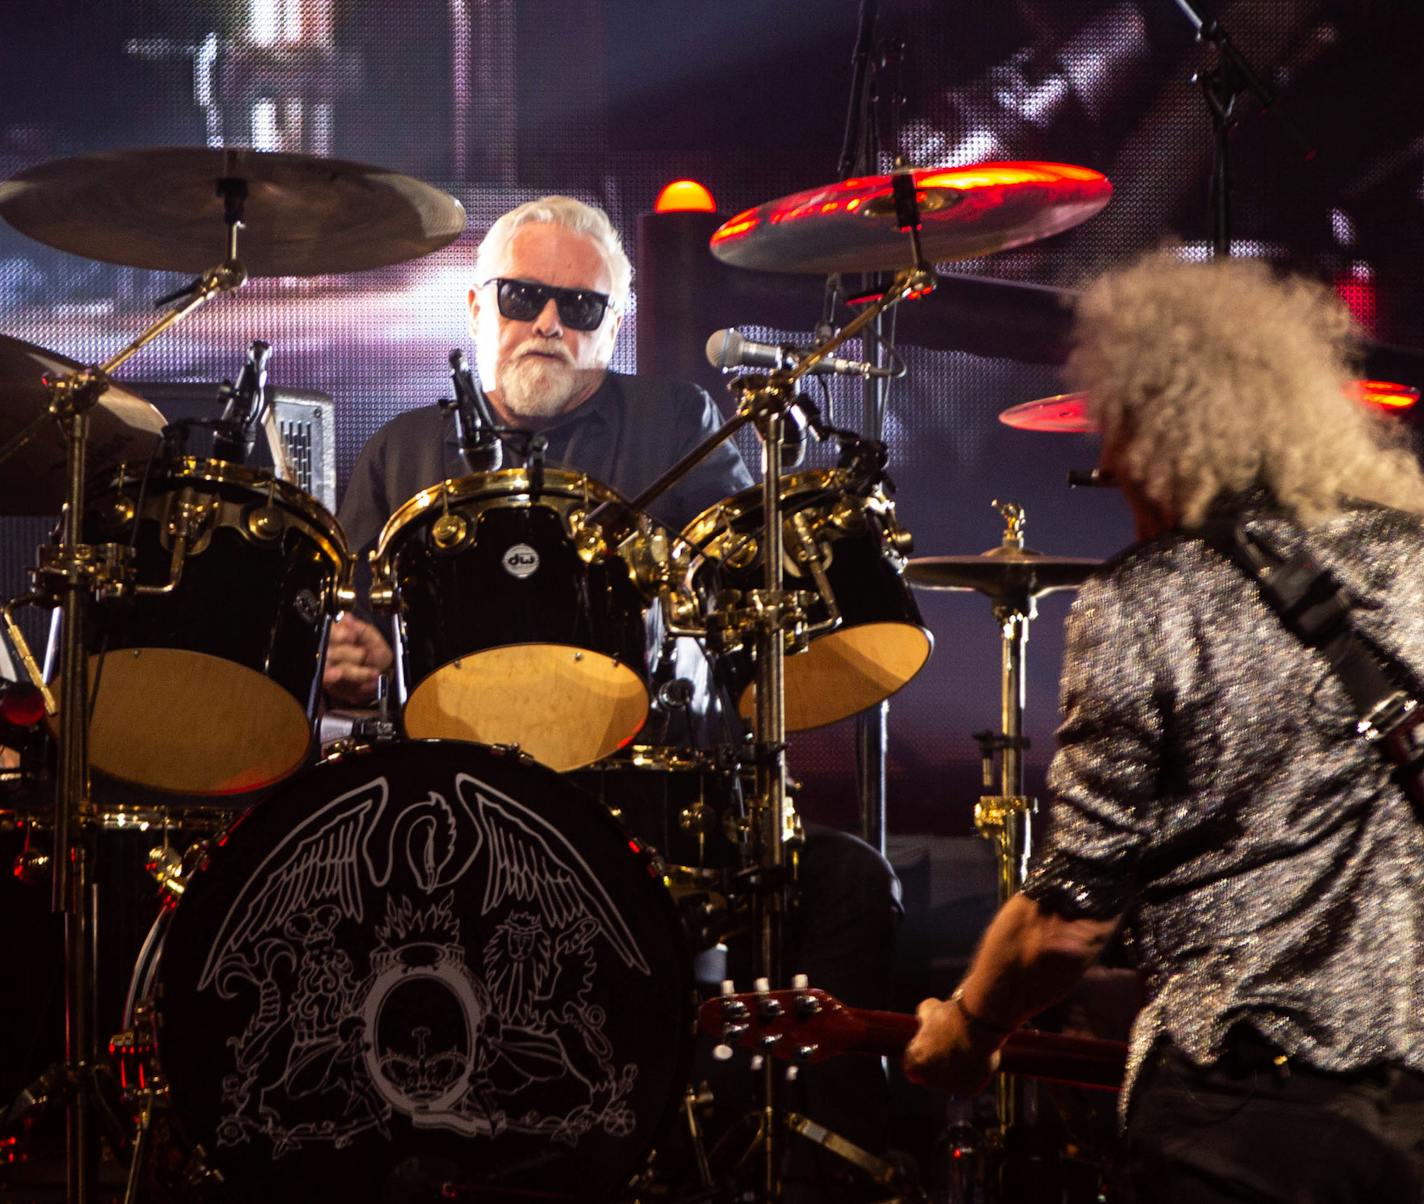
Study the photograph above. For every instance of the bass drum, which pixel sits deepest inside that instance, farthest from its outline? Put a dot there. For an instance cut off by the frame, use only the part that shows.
(420, 969)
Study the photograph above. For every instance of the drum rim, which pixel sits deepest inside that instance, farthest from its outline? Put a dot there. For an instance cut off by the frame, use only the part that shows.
(327, 531)
(707, 526)
(502, 483)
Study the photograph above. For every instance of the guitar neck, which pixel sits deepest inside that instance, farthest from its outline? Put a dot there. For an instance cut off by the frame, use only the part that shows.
(1054, 1057)
(807, 1025)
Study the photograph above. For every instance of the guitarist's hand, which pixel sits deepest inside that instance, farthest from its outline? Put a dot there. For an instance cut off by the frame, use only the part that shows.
(947, 1052)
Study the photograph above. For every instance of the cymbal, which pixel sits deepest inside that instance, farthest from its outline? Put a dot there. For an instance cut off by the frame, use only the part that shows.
(1003, 572)
(160, 208)
(965, 212)
(123, 427)
(1067, 413)
(1063, 414)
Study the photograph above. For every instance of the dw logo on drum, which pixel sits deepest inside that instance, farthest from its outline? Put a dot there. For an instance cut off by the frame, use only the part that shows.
(521, 560)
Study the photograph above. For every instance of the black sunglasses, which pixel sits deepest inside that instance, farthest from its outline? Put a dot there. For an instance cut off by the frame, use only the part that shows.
(523, 301)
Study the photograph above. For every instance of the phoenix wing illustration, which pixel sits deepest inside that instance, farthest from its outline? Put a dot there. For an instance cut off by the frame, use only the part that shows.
(317, 862)
(529, 860)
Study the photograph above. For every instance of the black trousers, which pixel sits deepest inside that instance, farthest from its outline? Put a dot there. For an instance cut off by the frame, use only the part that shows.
(1246, 1129)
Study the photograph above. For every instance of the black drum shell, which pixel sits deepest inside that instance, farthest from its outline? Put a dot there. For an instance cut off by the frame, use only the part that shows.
(864, 572)
(461, 601)
(646, 1017)
(258, 604)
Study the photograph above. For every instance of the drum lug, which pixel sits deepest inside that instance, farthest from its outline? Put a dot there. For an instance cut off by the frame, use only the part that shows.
(165, 866)
(173, 870)
(117, 515)
(449, 531)
(589, 542)
(265, 523)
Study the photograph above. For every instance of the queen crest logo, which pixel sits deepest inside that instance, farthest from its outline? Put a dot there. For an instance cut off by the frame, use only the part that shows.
(521, 560)
(358, 999)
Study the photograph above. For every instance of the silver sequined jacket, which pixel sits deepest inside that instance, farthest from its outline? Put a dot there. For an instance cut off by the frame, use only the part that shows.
(1209, 785)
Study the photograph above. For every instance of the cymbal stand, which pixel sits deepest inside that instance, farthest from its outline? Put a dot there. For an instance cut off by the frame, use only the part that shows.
(770, 617)
(70, 573)
(1006, 818)
(777, 615)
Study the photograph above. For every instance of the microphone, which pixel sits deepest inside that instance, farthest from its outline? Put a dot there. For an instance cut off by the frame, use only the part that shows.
(480, 447)
(727, 349)
(246, 407)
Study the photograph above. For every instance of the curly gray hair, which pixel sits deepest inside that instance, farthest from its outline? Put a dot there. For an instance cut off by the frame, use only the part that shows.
(1206, 378)
(571, 214)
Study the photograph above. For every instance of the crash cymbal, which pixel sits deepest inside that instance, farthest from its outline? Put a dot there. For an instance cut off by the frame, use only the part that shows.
(1004, 572)
(965, 212)
(1064, 414)
(161, 209)
(123, 427)
(1067, 413)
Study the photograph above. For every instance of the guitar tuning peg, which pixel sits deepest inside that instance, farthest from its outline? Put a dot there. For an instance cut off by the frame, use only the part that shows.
(734, 1009)
(799, 982)
(762, 985)
(804, 1053)
(770, 1009)
(723, 1053)
(757, 1061)
(792, 1072)
(728, 987)
(807, 1006)
(769, 1040)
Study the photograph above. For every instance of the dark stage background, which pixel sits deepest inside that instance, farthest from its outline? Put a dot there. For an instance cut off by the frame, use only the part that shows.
(501, 100)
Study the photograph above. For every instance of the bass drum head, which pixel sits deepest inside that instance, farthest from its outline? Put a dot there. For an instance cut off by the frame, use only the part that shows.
(425, 967)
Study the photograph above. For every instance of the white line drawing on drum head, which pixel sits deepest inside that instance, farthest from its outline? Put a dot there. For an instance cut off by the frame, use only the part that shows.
(367, 1004)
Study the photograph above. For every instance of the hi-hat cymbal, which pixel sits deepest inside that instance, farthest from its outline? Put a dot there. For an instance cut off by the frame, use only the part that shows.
(965, 212)
(123, 427)
(161, 208)
(1004, 572)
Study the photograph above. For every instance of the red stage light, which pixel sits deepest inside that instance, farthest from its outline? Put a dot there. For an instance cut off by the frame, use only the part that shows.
(684, 196)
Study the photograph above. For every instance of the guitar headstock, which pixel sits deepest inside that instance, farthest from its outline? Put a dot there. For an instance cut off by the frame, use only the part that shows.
(802, 1025)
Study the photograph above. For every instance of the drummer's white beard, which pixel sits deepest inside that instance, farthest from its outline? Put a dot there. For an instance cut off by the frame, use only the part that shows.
(537, 386)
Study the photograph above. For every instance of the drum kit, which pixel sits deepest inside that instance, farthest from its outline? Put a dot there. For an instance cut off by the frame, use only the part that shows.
(450, 958)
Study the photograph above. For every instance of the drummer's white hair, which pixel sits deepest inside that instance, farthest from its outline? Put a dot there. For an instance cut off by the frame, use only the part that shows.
(1206, 378)
(573, 215)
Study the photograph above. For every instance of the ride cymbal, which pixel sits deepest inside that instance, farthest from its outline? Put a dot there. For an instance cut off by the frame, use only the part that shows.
(965, 212)
(123, 427)
(162, 208)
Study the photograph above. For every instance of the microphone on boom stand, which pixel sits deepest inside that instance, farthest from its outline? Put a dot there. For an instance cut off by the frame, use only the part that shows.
(236, 431)
(480, 446)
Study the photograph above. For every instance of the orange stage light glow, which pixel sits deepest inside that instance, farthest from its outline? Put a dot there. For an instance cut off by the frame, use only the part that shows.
(684, 196)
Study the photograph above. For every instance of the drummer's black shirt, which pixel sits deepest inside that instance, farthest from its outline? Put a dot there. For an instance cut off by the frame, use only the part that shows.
(626, 435)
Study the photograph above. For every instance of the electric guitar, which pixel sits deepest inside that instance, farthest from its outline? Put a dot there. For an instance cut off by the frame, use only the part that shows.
(805, 1025)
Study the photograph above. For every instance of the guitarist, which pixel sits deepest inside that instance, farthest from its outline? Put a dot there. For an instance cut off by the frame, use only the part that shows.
(1211, 789)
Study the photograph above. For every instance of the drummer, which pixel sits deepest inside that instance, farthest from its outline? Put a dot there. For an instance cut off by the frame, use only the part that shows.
(550, 290)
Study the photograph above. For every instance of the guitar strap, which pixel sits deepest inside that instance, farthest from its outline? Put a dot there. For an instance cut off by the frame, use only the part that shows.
(1313, 606)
